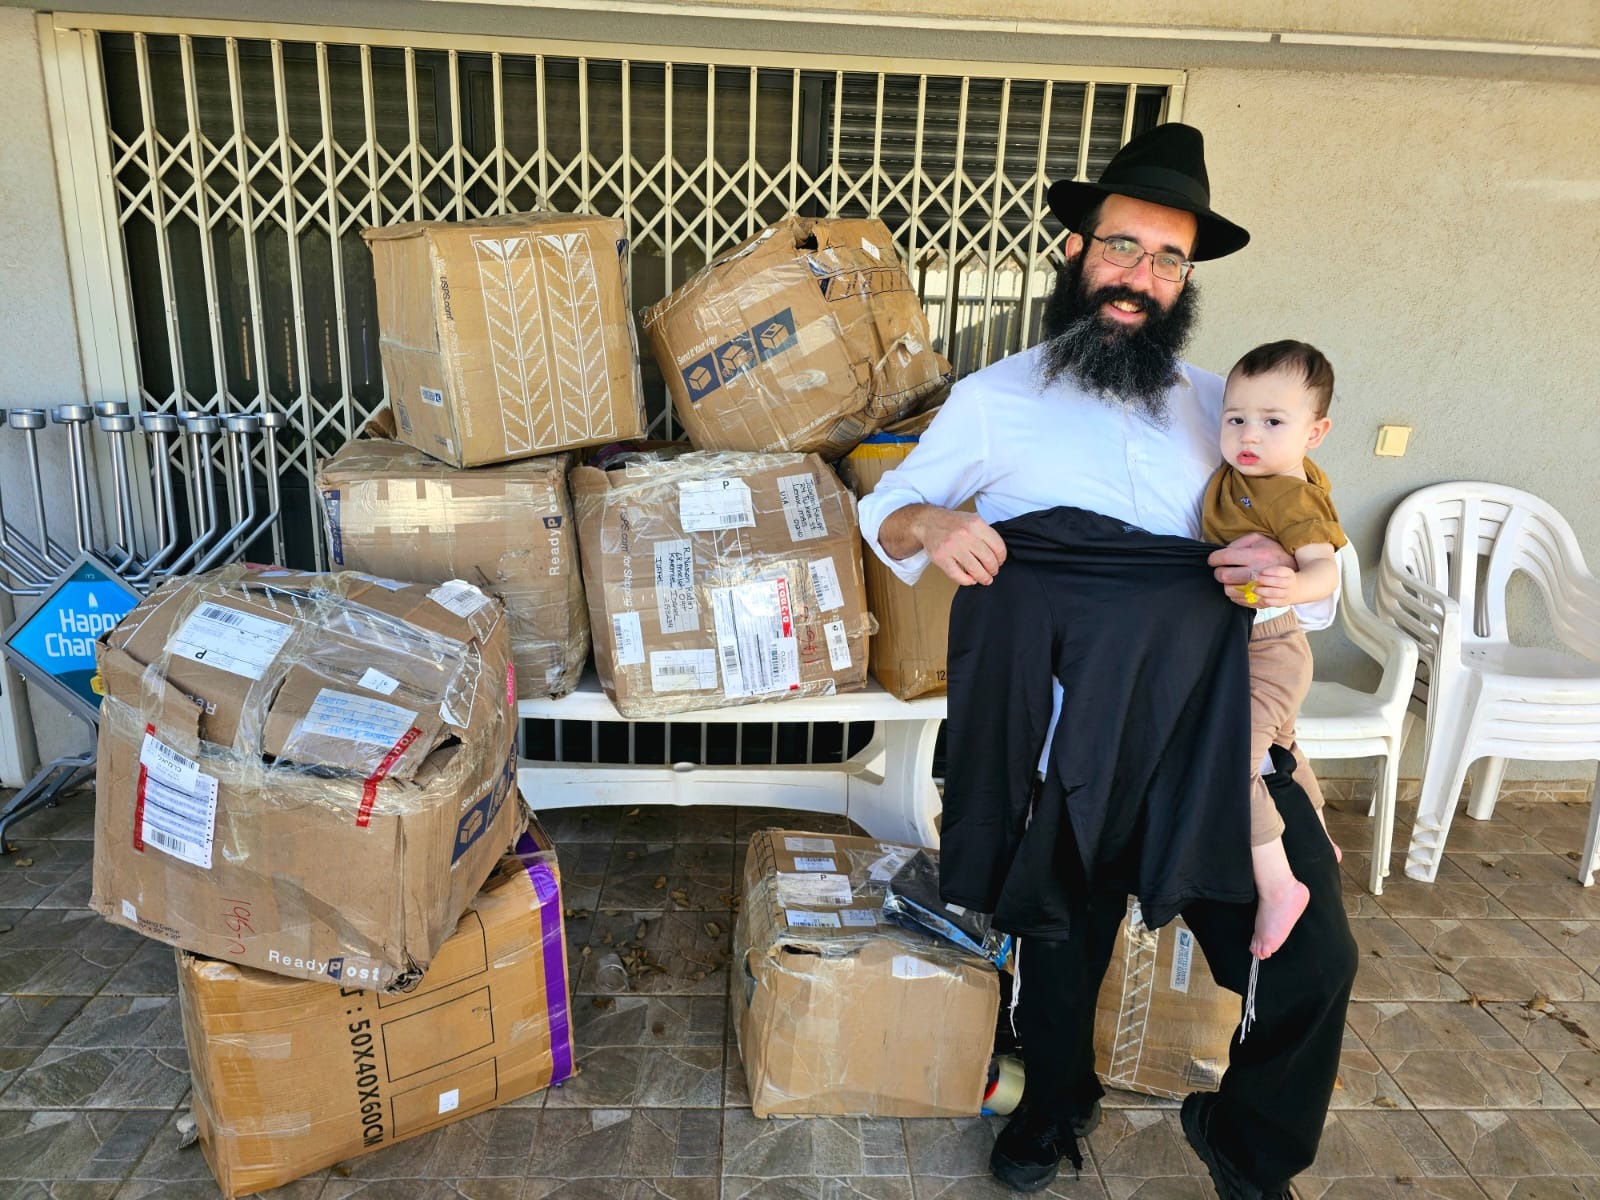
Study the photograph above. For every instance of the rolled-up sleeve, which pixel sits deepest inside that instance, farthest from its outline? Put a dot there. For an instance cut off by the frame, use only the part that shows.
(946, 469)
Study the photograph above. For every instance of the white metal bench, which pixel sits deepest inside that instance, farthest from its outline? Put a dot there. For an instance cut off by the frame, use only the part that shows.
(887, 788)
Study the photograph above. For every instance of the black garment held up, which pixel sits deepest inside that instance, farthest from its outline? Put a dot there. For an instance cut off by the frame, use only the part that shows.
(1148, 769)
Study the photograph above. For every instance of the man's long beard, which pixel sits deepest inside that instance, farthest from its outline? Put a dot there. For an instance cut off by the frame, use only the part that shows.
(1119, 364)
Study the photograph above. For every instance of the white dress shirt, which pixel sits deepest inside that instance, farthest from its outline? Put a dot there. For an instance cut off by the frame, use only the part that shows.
(1018, 447)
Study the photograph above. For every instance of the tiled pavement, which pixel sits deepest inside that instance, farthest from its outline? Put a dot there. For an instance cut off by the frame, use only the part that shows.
(1469, 1069)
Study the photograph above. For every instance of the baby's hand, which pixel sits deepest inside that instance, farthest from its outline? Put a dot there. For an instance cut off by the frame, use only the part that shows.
(1272, 586)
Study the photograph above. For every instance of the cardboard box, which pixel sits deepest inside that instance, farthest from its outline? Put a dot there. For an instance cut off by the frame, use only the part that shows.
(839, 1012)
(807, 337)
(310, 774)
(392, 510)
(291, 1076)
(718, 579)
(1162, 1024)
(506, 337)
(913, 634)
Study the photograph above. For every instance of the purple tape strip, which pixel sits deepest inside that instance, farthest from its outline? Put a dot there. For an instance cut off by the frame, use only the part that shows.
(555, 963)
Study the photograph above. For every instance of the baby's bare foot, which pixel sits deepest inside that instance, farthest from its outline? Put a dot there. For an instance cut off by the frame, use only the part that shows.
(1276, 913)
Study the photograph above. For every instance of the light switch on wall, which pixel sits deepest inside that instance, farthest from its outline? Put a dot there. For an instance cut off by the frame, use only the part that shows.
(1392, 440)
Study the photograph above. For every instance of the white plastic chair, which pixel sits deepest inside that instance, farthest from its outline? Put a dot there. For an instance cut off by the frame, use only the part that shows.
(1448, 556)
(1339, 722)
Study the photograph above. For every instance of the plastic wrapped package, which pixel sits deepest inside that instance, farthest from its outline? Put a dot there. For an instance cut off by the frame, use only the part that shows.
(839, 1011)
(912, 898)
(1162, 1025)
(719, 579)
(807, 336)
(392, 510)
(292, 1076)
(309, 774)
(509, 336)
(913, 634)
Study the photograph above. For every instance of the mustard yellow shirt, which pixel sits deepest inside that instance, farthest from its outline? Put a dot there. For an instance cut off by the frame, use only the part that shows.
(1292, 512)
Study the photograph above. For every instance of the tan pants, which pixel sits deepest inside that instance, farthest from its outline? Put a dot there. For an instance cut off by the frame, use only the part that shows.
(1280, 677)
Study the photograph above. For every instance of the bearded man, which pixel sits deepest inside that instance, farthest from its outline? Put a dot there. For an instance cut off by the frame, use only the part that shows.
(1101, 435)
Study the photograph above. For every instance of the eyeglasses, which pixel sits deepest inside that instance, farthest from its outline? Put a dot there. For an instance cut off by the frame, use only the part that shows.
(1125, 252)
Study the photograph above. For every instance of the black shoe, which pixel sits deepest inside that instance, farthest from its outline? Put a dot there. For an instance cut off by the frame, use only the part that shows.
(1029, 1150)
(1230, 1184)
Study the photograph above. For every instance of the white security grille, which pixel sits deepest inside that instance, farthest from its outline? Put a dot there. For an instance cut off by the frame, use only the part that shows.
(243, 161)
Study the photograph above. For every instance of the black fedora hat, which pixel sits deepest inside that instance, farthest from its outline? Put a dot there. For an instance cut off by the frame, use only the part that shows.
(1165, 165)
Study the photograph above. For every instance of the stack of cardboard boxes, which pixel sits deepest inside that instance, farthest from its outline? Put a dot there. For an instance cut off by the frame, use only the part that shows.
(307, 781)
(723, 577)
(304, 783)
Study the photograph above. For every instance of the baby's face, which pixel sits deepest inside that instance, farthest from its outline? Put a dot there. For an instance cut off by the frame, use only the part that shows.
(1269, 422)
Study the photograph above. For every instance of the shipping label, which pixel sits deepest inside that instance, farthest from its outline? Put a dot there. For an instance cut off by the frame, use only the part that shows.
(799, 918)
(812, 888)
(240, 643)
(808, 845)
(894, 857)
(459, 597)
(808, 862)
(825, 585)
(712, 504)
(683, 670)
(838, 645)
(756, 641)
(908, 966)
(375, 680)
(675, 599)
(177, 804)
(1182, 960)
(860, 918)
(802, 508)
(354, 718)
(629, 637)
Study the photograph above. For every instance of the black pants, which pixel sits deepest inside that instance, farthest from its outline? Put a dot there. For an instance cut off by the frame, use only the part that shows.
(1274, 1096)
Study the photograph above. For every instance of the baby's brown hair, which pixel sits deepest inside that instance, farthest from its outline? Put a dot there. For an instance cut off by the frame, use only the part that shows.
(1300, 358)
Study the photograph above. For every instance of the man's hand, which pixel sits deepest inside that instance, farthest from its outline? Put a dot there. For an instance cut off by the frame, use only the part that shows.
(1244, 561)
(961, 544)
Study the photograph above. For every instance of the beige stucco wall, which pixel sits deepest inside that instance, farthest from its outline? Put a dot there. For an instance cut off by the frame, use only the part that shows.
(39, 362)
(1440, 240)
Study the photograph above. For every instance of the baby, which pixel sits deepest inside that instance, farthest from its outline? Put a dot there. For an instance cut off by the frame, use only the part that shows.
(1275, 409)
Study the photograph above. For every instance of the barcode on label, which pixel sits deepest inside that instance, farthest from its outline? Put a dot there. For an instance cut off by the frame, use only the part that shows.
(825, 584)
(1182, 958)
(238, 642)
(800, 919)
(715, 504)
(179, 822)
(629, 637)
(838, 645)
(683, 670)
(459, 597)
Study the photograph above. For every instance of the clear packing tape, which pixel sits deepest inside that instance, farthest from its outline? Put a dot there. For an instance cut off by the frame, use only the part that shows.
(840, 1011)
(723, 578)
(317, 675)
(808, 336)
(508, 528)
(306, 773)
